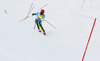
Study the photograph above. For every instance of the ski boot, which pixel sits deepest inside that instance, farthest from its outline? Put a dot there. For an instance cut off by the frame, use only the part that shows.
(44, 33)
(39, 30)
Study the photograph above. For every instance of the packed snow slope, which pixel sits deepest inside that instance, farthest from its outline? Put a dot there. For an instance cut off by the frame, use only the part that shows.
(20, 42)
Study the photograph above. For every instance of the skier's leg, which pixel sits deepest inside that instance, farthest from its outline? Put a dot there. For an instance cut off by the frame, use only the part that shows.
(42, 29)
(36, 21)
(38, 26)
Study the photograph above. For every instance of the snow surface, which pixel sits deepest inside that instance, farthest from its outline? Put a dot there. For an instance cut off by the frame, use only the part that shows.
(20, 42)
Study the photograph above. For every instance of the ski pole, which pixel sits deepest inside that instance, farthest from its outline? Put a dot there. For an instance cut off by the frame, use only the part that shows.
(34, 26)
(50, 24)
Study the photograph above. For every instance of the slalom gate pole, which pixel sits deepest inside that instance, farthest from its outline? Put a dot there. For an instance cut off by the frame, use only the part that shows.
(28, 12)
(83, 3)
(23, 19)
(30, 9)
(89, 39)
(5, 11)
(43, 6)
(50, 24)
(82, 15)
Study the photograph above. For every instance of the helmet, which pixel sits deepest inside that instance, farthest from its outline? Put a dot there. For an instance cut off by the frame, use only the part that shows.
(42, 10)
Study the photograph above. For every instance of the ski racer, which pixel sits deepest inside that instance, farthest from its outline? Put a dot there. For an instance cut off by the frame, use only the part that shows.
(40, 17)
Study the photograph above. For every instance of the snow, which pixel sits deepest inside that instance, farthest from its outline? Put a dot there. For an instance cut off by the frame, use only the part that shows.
(20, 42)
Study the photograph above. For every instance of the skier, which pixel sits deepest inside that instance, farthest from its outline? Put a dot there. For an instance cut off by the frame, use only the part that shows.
(40, 17)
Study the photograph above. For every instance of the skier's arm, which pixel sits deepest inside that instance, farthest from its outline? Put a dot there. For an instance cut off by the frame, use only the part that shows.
(33, 14)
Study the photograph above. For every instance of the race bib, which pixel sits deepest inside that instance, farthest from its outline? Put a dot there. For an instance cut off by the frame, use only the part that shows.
(41, 17)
